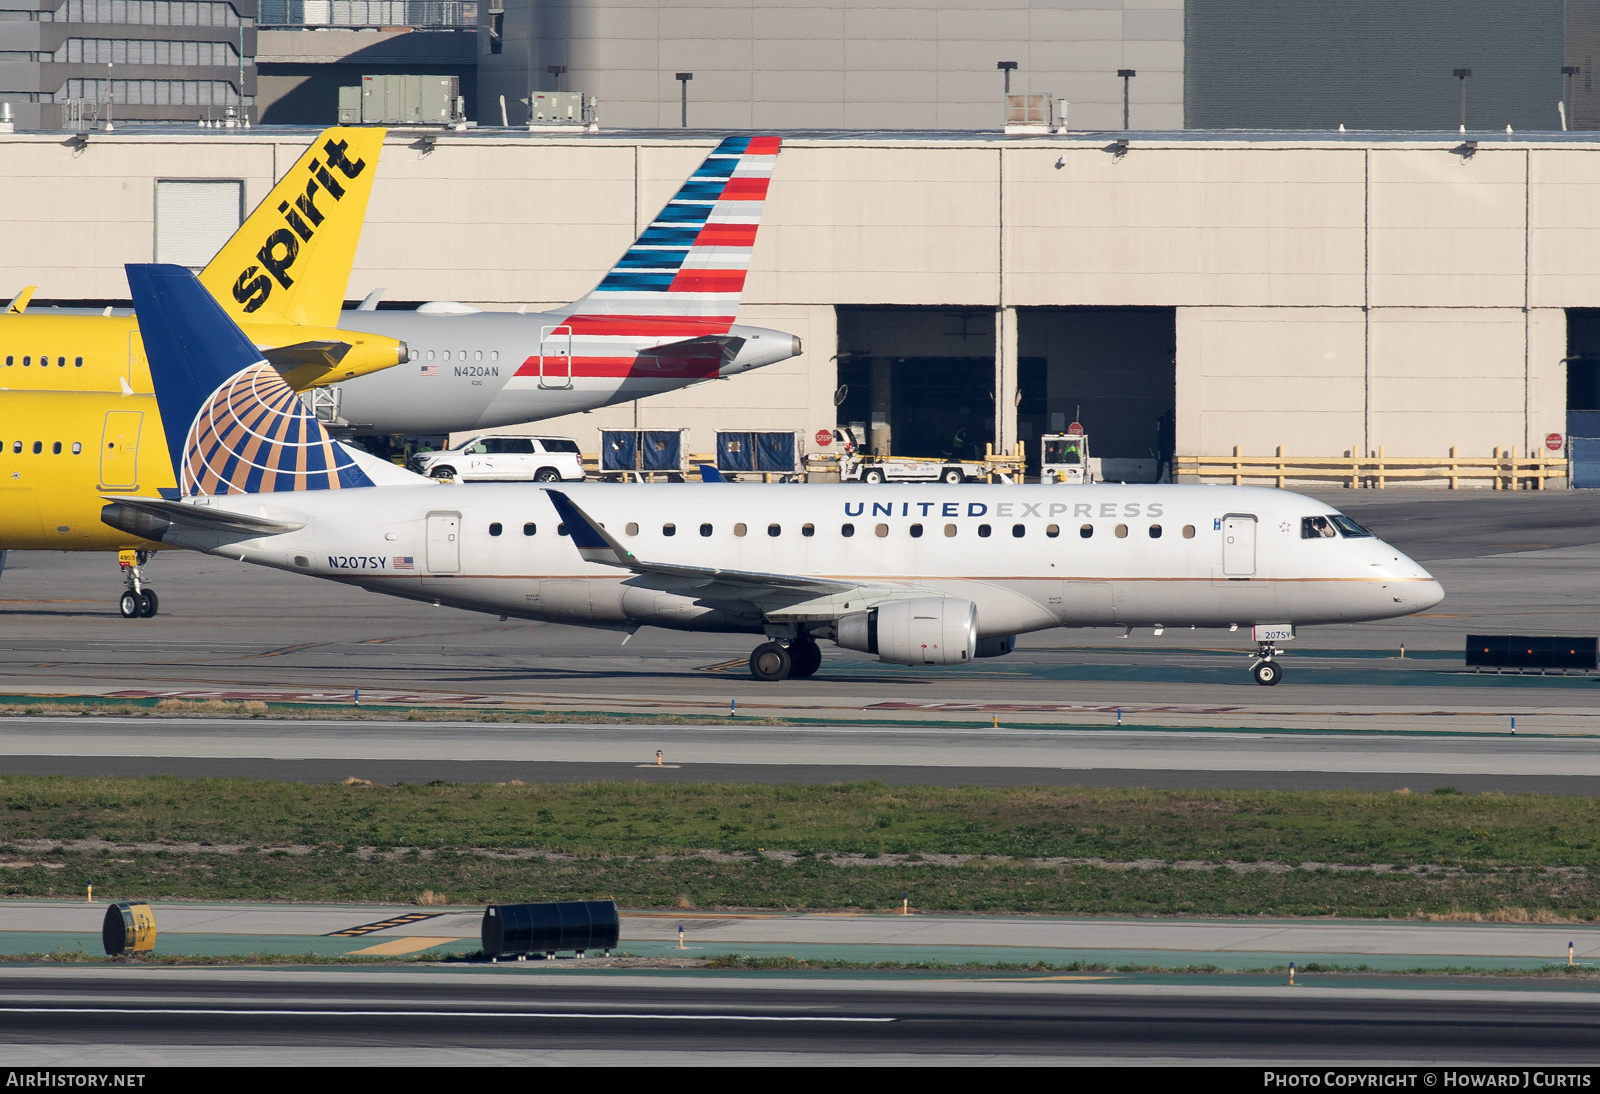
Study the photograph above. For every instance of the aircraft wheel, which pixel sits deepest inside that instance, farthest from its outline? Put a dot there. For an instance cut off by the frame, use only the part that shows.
(129, 605)
(805, 658)
(770, 662)
(872, 476)
(953, 476)
(1267, 673)
(149, 603)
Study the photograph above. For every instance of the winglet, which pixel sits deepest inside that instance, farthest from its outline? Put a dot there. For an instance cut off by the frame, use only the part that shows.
(591, 540)
(709, 473)
(19, 303)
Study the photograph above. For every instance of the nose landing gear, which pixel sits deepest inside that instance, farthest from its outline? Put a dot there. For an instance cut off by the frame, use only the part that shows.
(138, 601)
(1266, 669)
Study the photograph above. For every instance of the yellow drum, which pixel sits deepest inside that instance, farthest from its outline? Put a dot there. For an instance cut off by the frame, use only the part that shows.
(128, 928)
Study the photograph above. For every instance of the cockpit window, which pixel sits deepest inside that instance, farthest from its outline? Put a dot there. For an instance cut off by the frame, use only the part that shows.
(1317, 528)
(1350, 528)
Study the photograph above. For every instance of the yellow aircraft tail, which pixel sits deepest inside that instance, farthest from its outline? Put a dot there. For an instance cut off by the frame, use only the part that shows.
(290, 260)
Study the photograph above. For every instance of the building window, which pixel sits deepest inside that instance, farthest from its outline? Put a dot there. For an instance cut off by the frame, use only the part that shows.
(195, 218)
(139, 51)
(495, 529)
(150, 13)
(156, 92)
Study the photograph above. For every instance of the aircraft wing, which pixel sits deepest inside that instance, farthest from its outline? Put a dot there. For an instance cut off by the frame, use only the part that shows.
(151, 517)
(778, 596)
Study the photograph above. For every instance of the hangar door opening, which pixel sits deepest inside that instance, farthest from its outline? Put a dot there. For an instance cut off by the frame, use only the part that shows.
(1583, 396)
(917, 381)
(1112, 369)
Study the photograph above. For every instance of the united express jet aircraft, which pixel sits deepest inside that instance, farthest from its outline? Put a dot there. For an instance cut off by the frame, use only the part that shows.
(927, 575)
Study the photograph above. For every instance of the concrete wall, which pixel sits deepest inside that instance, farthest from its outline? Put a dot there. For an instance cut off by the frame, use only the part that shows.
(1329, 296)
(859, 64)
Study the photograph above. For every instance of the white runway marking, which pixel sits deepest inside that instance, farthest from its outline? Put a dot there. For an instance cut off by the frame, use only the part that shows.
(254, 1013)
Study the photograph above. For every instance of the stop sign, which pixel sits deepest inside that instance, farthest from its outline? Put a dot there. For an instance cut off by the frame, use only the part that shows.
(1552, 441)
(824, 437)
(1075, 430)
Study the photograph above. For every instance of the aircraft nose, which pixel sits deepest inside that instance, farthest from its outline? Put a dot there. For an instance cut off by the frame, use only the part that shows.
(1429, 594)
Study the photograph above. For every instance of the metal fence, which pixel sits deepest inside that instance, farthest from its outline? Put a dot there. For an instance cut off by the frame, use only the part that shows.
(369, 13)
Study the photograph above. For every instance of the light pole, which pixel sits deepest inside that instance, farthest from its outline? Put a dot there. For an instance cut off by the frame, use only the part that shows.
(1462, 74)
(556, 71)
(1126, 74)
(683, 99)
(1008, 67)
(1567, 73)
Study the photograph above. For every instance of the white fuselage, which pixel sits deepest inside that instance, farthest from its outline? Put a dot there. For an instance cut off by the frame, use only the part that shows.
(1222, 555)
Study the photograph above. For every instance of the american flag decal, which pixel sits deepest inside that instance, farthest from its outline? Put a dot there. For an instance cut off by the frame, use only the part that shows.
(403, 562)
(430, 370)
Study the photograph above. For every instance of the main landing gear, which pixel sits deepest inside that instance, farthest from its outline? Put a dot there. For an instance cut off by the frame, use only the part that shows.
(138, 601)
(797, 658)
(1266, 669)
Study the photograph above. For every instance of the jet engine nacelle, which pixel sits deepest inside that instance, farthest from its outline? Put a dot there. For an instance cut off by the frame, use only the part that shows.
(935, 630)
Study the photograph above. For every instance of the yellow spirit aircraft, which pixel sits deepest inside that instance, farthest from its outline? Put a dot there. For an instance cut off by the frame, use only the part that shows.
(78, 417)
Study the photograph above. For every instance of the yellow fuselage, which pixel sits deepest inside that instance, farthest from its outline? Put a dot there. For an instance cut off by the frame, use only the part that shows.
(62, 452)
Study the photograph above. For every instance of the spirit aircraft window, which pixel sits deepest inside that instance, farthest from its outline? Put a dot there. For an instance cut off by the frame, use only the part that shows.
(1052, 530)
(669, 529)
(61, 362)
(1121, 531)
(55, 449)
(739, 529)
(26, 361)
(1317, 528)
(529, 529)
(808, 530)
(10, 361)
(983, 531)
(1019, 530)
(77, 362)
(495, 529)
(949, 531)
(847, 530)
(38, 447)
(705, 529)
(916, 531)
(1155, 531)
(880, 530)
(1087, 531)
(16, 446)
(774, 530)
(631, 528)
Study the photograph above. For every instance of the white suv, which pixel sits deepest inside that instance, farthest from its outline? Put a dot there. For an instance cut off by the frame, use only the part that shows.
(504, 458)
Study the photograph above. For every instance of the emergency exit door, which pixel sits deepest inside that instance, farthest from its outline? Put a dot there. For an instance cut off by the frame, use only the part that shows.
(119, 449)
(444, 543)
(1238, 546)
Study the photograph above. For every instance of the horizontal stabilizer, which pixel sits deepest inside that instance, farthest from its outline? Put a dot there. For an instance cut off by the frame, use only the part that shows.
(721, 348)
(304, 363)
(150, 518)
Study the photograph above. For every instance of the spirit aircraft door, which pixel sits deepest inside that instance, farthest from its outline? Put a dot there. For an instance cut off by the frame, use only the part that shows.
(444, 543)
(1238, 546)
(119, 449)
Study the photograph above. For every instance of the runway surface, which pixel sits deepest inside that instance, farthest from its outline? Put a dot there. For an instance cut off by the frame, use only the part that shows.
(249, 1016)
(498, 752)
(1510, 563)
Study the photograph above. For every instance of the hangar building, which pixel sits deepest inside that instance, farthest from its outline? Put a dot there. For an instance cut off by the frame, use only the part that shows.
(1323, 292)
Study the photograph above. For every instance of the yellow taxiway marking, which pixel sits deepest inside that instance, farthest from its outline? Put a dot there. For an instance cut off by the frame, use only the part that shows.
(405, 945)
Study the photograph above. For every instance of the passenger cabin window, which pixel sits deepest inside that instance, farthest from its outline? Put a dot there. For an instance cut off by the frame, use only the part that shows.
(10, 361)
(705, 529)
(55, 449)
(61, 362)
(983, 531)
(561, 529)
(1350, 528)
(669, 529)
(1087, 531)
(847, 530)
(1188, 531)
(16, 446)
(495, 529)
(1018, 531)
(38, 447)
(494, 355)
(1155, 531)
(1121, 531)
(529, 529)
(916, 531)
(949, 531)
(880, 530)
(739, 529)
(26, 361)
(77, 362)
(1052, 530)
(774, 530)
(1317, 528)
(808, 530)
(631, 528)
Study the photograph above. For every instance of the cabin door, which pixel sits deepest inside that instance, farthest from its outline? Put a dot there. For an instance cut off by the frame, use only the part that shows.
(1238, 546)
(444, 543)
(119, 449)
